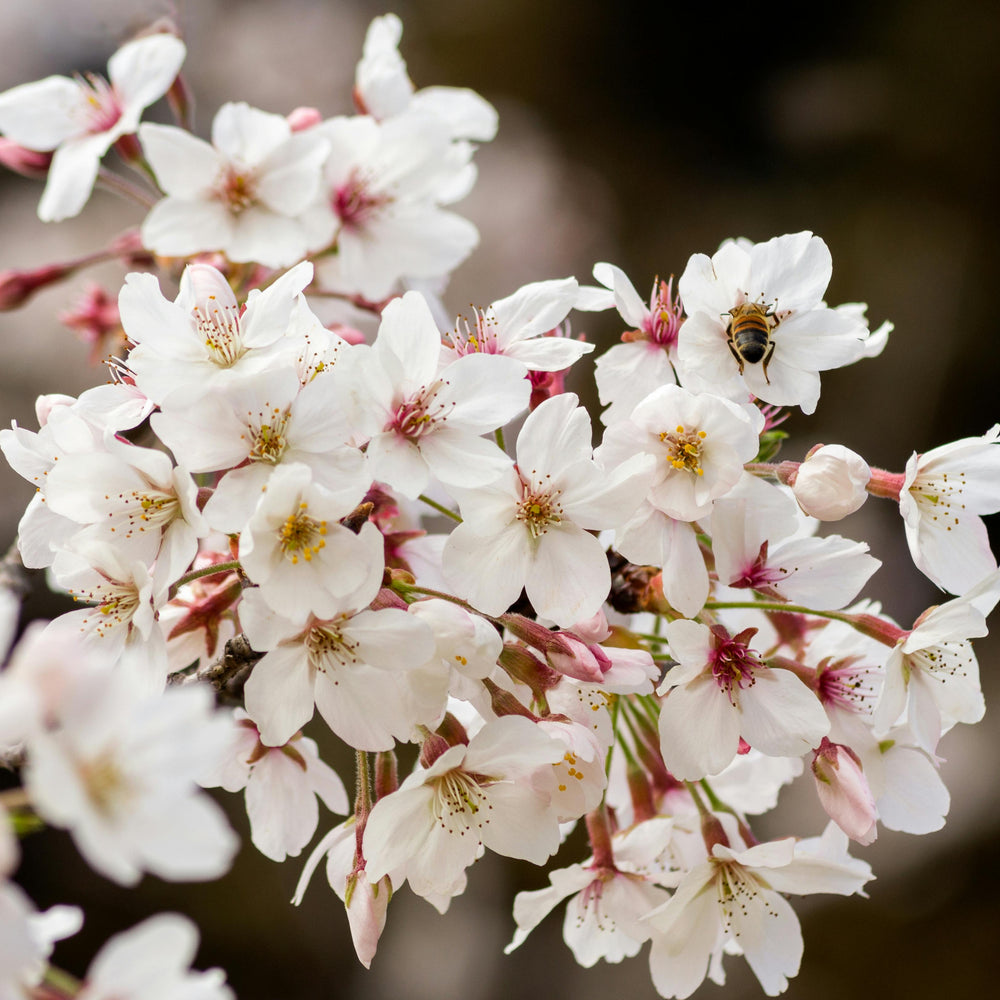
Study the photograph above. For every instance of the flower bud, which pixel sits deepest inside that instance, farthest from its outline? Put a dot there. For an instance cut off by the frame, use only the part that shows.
(303, 118)
(830, 483)
(366, 909)
(26, 162)
(843, 791)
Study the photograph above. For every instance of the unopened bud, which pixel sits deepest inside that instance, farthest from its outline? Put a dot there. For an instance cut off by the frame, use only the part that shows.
(26, 162)
(830, 483)
(16, 287)
(843, 791)
(303, 118)
(366, 909)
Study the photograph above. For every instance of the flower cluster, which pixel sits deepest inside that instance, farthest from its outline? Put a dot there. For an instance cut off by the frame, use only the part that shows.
(310, 491)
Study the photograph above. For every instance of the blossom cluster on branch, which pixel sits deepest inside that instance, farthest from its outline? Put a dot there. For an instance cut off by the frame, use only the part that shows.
(310, 490)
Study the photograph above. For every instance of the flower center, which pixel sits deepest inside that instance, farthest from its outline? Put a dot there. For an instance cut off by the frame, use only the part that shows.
(482, 340)
(329, 649)
(104, 781)
(684, 448)
(355, 203)
(302, 536)
(102, 109)
(460, 804)
(418, 415)
(733, 662)
(847, 685)
(269, 442)
(539, 508)
(219, 324)
(236, 189)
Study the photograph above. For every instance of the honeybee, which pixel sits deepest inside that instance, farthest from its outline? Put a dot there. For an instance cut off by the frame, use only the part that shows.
(749, 335)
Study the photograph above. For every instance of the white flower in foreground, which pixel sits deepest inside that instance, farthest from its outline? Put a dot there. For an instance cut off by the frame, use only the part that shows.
(118, 771)
(384, 184)
(243, 195)
(152, 961)
(943, 493)
(496, 793)
(81, 118)
(295, 549)
(830, 483)
(722, 691)
(426, 420)
(530, 528)
(647, 358)
(513, 326)
(699, 443)
(736, 896)
(203, 340)
(776, 290)
(383, 89)
(932, 673)
(353, 664)
(282, 784)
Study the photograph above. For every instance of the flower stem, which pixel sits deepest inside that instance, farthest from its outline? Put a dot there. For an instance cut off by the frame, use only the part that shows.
(440, 508)
(875, 628)
(112, 182)
(498, 434)
(196, 574)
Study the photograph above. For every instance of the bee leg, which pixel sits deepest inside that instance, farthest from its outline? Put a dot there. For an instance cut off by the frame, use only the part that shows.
(734, 352)
(767, 358)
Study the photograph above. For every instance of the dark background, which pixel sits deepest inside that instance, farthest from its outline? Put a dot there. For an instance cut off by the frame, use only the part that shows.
(637, 135)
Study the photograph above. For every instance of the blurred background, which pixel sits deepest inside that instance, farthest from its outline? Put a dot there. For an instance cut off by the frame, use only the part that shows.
(636, 134)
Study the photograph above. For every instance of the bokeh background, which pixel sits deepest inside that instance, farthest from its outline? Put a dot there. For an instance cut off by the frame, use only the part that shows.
(636, 134)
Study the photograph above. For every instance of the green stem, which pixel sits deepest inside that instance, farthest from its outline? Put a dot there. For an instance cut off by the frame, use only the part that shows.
(440, 508)
(61, 982)
(498, 434)
(196, 574)
(868, 625)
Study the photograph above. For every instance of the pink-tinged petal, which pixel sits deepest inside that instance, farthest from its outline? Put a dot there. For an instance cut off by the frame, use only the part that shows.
(247, 135)
(521, 823)
(467, 115)
(951, 551)
(279, 694)
(71, 177)
(281, 806)
(150, 319)
(260, 234)
(155, 950)
(794, 270)
(556, 434)
(179, 228)
(699, 729)
(548, 354)
(781, 717)
(488, 390)
(691, 644)
(43, 114)
(186, 167)
(916, 799)
(408, 343)
(769, 934)
(269, 313)
(679, 958)
(290, 176)
(488, 571)
(397, 461)
(633, 310)
(819, 339)
(390, 639)
(534, 309)
(457, 456)
(143, 70)
(399, 827)
(569, 578)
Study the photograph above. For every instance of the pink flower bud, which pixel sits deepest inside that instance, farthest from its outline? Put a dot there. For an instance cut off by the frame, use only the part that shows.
(831, 482)
(303, 118)
(16, 287)
(843, 791)
(366, 909)
(26, 162)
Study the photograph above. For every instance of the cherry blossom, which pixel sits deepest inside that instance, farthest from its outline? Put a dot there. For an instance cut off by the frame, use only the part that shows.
(81, 118)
